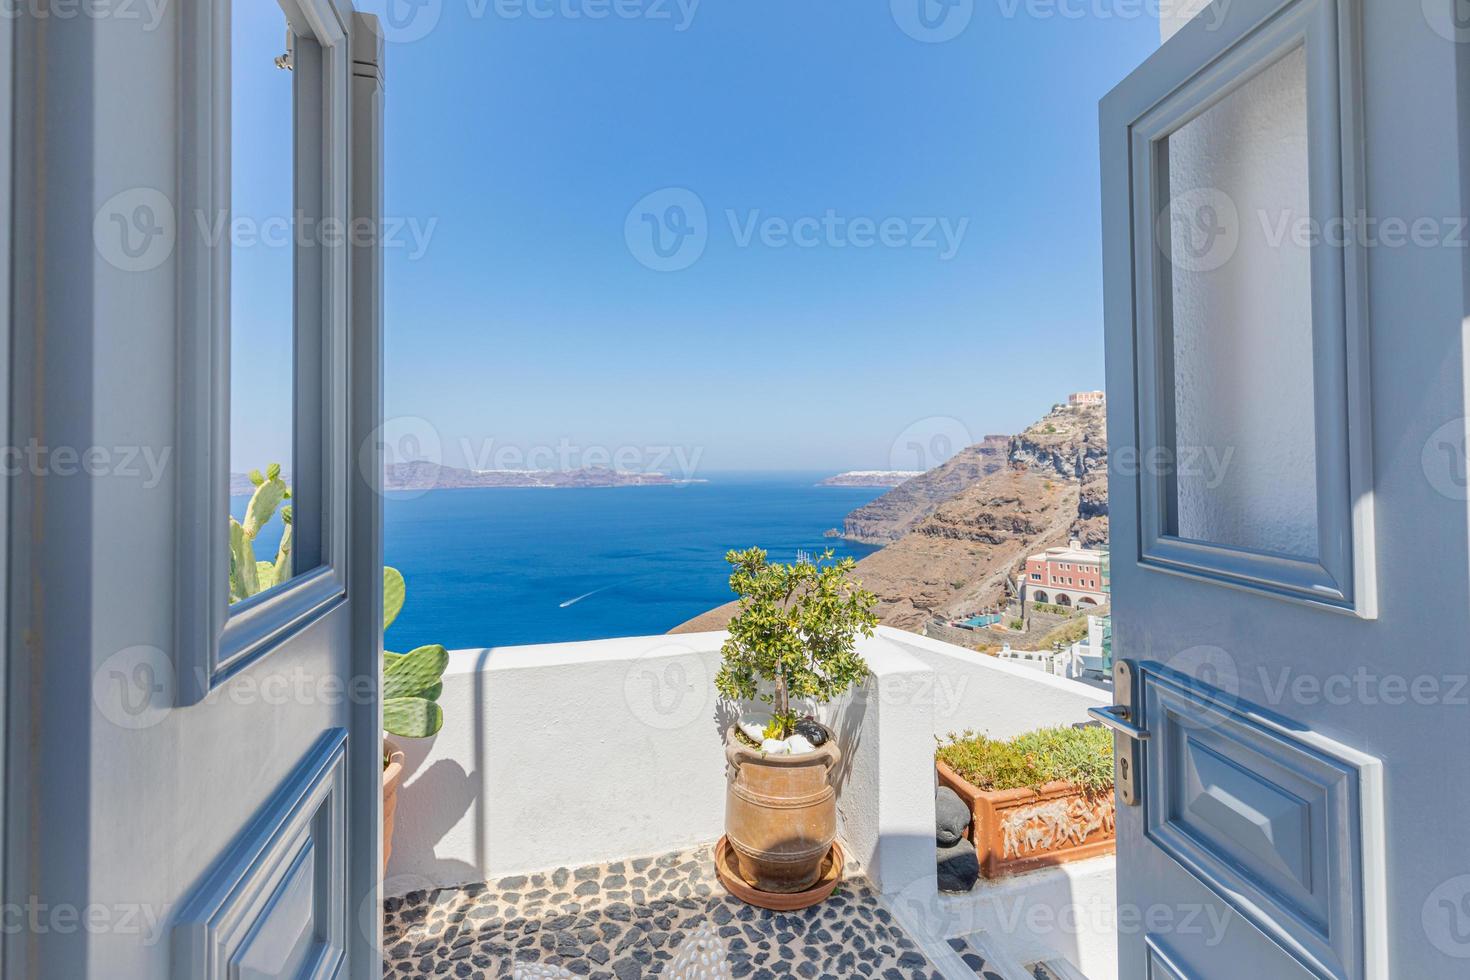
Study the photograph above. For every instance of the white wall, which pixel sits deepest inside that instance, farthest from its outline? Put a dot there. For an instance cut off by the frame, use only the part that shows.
(563, 754)
(576, 753)
(995, 697)
(885, 801)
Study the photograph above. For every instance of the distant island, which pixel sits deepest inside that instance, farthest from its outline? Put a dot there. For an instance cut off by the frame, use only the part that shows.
(424, 475)
(870, 478)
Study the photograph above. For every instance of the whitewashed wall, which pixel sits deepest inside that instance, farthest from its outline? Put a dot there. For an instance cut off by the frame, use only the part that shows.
(576, 753)
(999, 698)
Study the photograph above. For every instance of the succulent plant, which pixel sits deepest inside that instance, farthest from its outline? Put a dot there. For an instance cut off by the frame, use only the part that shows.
(249, 576)
(412, 681)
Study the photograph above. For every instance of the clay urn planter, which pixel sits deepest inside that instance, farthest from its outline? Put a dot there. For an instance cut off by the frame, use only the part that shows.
(780, 814)
(392, 777)
(793, 642)
(1017, 830)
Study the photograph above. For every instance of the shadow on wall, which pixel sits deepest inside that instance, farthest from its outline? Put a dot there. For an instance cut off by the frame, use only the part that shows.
(441, 795)
(434, 799)
(846, 721)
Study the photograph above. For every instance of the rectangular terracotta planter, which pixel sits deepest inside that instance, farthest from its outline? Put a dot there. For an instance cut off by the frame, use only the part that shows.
(1018, 830)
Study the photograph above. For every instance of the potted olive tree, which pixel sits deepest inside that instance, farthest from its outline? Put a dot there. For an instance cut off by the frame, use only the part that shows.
(793, 644)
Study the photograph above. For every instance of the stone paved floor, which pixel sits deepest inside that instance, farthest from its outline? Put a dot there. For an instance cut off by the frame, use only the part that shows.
(666, 917)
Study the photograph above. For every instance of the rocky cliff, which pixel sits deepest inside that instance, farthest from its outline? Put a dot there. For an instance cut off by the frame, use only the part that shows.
(1001, 500)
(895, 513)
(1052, 487)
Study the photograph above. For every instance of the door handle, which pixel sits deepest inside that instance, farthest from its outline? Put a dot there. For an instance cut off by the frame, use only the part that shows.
(1123, 719)
(1117, 717)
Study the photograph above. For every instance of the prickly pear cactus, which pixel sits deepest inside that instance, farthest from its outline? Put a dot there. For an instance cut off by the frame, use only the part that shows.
(412, 681)
(249, 576)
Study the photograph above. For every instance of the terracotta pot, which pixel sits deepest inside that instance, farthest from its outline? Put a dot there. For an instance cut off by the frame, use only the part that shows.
(828, 878)
(392, 776)
(780, 814)
(1016, 830)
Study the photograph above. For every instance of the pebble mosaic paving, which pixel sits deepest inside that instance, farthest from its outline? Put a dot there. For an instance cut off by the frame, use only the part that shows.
(651, 917)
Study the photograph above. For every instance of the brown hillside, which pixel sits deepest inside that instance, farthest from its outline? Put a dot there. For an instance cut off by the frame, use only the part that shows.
(896, 513)
(1048, 486)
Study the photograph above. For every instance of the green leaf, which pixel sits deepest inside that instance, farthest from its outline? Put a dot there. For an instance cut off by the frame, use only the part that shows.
(795, 637)
(412, 717)
(415, 671)
(394, 591)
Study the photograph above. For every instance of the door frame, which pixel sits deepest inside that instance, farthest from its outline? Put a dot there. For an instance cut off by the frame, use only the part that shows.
(7, 143)
(365, 486)
(215, 640)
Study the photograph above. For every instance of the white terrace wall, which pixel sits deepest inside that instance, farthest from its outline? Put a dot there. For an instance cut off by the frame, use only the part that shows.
(995, 697)
(578, 753)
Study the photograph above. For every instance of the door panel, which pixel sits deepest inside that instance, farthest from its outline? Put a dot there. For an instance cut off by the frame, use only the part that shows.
(1271, 819)
(202, 780)
(275, 905)
(1293, 683)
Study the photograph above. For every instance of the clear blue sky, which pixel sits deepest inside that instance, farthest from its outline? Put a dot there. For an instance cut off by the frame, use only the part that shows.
(528, 319)
(260, 273)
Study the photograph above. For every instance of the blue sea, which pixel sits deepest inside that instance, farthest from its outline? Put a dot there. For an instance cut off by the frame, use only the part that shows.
(496, 566)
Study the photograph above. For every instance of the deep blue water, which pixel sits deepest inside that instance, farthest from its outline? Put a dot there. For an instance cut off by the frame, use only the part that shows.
(492, 567)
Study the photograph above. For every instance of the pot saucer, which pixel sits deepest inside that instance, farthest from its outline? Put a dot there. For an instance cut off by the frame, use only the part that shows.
(827, 881)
